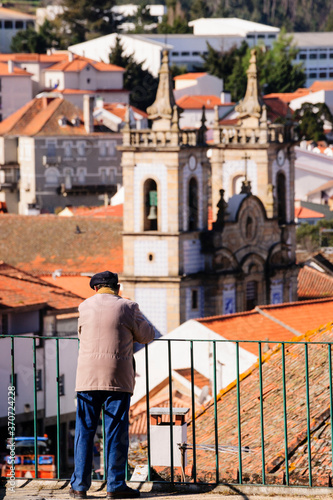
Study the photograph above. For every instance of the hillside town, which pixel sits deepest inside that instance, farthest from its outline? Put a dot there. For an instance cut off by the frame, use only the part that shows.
(208, 190)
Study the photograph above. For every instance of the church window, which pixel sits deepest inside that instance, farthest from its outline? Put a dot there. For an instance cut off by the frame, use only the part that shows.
(68, 178)
(249, 228)
(194, 299)
(52, 176)
(150, 257)
(193, 205)
(251, 295)
(150, 205)
(281, 198)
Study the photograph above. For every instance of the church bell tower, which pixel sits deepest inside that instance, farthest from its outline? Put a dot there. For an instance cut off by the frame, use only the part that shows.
(166, 177)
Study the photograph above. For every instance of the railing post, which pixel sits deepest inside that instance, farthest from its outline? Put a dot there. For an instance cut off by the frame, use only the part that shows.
(193, 414)
(171, 414)
(215, 416)
(285, 423)
(147, 409)
(308, 411)
(262, 416)
(35, 408)
(240, 479)
(12, 362)
(58, 408)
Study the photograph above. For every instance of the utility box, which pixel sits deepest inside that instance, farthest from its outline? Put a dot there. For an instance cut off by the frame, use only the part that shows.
(160, 448)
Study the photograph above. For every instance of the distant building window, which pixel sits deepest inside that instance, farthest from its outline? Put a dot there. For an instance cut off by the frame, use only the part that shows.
(323, 56)
(4, 324)
(61, 385)
(104, 175)
(39, 381)
(68, 148)
(81, 175)
(322, 74)
(313, 56)
(302, 56)
(81, 148)
(313, 75)
(250, 37)
(52, 176)
(68, 178)
(112, 176)
(51, 148)
(175, 53)
(196, 53)
(272, 36)
(331, 55)
(194, 300)
(88, 80)
(8, 25)
(261, 36)
(331, 74)
(193, 205)
(19, 25)
(251, 295)
(185, 53)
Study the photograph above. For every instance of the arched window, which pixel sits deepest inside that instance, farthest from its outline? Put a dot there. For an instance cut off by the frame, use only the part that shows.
(249, 228)
(150, 205)
(281, 198)
(251, 295)
(193, 205)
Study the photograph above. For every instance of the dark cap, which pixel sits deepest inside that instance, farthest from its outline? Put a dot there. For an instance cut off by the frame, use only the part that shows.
(104, 278)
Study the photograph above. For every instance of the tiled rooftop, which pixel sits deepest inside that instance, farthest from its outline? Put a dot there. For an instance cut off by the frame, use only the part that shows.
(52, 242)
(197, 101)
(78, 63)
(20, 289)
(273, 421)
(314, 284)
(306, 213)
(4, 71)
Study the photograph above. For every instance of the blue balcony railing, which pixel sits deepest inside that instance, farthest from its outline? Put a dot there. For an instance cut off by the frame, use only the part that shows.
(271, 425)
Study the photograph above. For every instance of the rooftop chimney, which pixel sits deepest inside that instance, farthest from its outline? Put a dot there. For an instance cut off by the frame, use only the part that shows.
(10, 66)
(70, 56)
(88, 108)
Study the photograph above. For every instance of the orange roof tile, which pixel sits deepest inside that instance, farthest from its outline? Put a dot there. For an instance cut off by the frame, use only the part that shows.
(251, 325)
(314, 284)
(321, 85)
(42, 58)
(306, 213)
(75, 284)
(16, 71)
(197, 101)
(119, 109)
(190, 76)
(20, 289)
(14, 14)
(79, 63)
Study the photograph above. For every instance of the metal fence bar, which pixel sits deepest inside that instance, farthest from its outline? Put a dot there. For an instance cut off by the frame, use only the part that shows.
(12, 356)
(262, 429)
(58, 407)
(171, 414)
(285, 421)
(147, 409)
(35, 407)
(331, 398)
(193, 413)
(215, 416)
(308, 411)
(240, 478)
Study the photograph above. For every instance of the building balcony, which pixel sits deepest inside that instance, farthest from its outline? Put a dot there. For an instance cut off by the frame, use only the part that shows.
(9, 177)
(51, 160)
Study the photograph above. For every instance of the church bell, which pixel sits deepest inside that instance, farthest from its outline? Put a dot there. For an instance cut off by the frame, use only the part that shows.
(152, 213)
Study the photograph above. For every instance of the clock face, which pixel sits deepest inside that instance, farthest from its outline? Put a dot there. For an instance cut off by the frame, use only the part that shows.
(280, 157)
(192, 163)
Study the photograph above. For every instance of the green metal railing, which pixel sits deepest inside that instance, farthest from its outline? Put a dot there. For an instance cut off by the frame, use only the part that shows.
(284, 354)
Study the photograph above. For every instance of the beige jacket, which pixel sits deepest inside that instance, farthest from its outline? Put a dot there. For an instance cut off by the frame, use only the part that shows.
(108, 326)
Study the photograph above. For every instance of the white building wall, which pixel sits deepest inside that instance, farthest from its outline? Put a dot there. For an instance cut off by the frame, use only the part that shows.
(322, 96)
(193, 258)
(153, 303)
(180, 352)
(312, 170)
(15, 92)
(233, 169)
(158, 249)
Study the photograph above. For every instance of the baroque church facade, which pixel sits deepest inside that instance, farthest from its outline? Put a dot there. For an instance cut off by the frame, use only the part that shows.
(174, 266)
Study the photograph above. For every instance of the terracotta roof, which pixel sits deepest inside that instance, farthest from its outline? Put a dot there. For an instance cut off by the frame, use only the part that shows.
(102, 211)
(52, 242)
(274, 437)
(314, 284)
(41, 117)
(251, 325)
(16, 71)
(288, 96)
(321, 85)
(276, 107)
(197, 101)
(190, 76)
(306, 213)
(88, 91)
(75, 284)
(119, 109)
(20, 289)
(42, 58)
(79, 63)
(14, 14)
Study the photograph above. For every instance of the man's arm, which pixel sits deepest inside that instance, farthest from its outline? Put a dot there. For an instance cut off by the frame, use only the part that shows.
(143, 330)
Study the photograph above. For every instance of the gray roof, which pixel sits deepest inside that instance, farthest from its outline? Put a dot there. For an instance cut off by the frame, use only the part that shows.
(313, 39)
(234, 204)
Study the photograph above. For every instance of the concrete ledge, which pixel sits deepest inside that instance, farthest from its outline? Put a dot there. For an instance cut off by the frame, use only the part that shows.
(29, 486)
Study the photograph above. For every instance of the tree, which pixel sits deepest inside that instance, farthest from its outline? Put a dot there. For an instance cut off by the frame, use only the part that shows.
(175, 20)
(87, 18)
(141, 83)
(311, 119)
(199, 9)
(32, 41)
(142, 18)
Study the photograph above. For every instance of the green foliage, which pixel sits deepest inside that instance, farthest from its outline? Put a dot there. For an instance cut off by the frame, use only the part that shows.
(198, 9)
(87, 18)
(276, 70)
(32, 41)
(175, 21)
(313, 236)
(140, 82)
(142, 18)
(311, 119)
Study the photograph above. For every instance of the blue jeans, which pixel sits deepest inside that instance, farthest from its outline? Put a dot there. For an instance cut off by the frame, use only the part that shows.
(88, 411)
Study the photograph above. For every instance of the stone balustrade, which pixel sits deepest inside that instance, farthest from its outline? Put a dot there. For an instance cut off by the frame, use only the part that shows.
(233, 134)
(163, 138)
